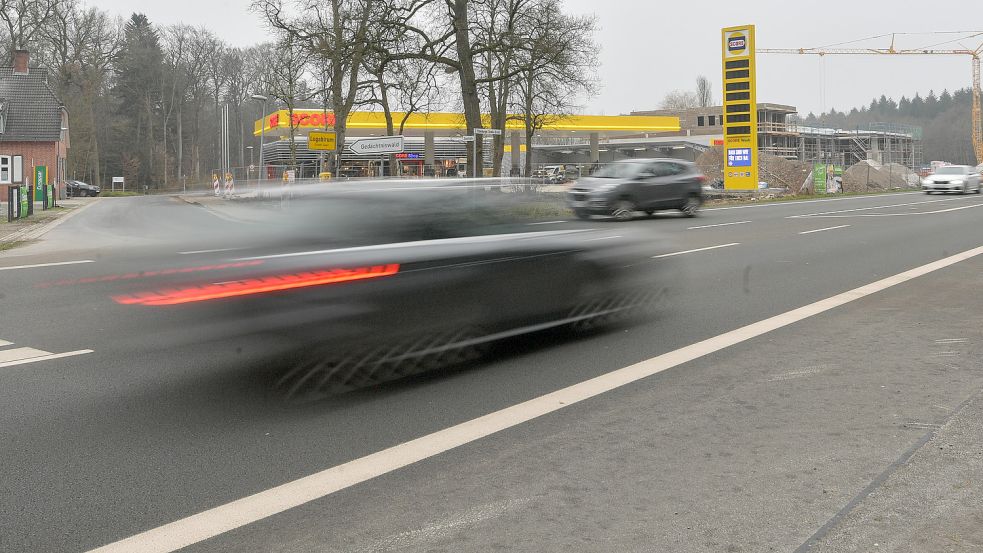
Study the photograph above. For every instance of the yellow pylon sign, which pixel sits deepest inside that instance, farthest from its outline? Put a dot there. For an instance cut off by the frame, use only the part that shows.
(740, 109)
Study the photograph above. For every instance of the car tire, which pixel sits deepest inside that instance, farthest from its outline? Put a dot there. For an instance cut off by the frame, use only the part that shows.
(691, 208)
(649, 212)
(624, 210)
(581, 214)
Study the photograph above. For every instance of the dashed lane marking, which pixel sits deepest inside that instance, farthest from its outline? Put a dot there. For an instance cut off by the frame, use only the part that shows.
(39, 265)
(823, 229)
(696, 250)
(719, 225)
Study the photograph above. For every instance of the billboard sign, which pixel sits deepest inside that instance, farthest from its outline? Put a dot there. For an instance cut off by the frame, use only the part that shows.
(740, 117)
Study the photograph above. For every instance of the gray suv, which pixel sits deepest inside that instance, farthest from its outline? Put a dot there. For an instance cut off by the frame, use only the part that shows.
(625, 187)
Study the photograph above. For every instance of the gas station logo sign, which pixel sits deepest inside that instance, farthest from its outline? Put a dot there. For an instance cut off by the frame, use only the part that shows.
(740, 116)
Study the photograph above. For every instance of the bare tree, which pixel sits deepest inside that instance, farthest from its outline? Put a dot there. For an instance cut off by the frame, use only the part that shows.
(678, 100)
(286, 66)
(704, 92)
(335, 33)
(558, 69)
(25, 20)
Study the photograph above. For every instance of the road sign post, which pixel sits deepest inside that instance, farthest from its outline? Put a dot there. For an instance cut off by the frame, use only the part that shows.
(482, 133)
(740, 109)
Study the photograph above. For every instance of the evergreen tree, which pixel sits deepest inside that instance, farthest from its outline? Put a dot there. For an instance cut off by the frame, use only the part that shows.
(137, 93)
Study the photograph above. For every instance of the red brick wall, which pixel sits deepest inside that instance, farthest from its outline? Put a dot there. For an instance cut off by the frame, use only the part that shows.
(35, 153)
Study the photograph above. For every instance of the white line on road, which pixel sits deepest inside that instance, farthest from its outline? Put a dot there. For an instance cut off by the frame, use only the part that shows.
(17, 354)
(973, 206)
(603, 238)
(236, 514)
(719, 225)
(545, 223)
(823, 229)
(5, 343)
(696, 250)
(46, 265)
(217, 250)
(871, 208)
(799, 202)
(45, 357)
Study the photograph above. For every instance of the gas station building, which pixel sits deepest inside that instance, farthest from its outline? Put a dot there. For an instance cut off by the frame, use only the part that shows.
(435, 143)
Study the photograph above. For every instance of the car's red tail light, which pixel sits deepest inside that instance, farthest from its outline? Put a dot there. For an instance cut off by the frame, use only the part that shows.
(252, 286)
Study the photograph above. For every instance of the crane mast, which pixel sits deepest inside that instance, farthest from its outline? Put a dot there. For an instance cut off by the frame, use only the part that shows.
(977, 117)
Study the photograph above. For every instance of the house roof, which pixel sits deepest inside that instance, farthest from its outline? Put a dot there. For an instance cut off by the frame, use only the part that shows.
(33, 110)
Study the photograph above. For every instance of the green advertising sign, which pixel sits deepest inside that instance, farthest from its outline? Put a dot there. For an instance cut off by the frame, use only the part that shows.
(819, 177)
(24, 198)
(40, 182)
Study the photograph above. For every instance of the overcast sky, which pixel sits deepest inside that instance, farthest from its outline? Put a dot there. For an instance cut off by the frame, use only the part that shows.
(649, 47)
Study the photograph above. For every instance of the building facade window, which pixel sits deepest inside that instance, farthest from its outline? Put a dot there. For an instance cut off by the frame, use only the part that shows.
(700, 120)
(6, 166)
(712, 120)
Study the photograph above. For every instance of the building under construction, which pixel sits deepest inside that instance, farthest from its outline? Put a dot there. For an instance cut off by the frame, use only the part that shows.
(780, 134)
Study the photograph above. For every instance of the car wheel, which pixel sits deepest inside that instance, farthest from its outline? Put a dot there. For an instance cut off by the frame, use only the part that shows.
(692, 206)
(581, 214)
(624, 210)
(978, 188)
(649, 212)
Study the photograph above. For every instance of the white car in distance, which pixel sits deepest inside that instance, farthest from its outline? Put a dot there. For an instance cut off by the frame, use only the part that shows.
(952, 178)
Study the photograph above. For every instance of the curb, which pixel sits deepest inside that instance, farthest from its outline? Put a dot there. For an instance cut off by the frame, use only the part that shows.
(35, 231)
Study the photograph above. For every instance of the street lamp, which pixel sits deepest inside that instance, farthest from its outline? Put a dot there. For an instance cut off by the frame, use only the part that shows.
(262, 137)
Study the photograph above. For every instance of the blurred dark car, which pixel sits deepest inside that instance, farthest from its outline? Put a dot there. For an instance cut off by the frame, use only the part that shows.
(78, 188)
(625, 187)
(362, 287)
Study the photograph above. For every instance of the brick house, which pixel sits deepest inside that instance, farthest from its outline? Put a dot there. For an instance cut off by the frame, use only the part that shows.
(33, 126)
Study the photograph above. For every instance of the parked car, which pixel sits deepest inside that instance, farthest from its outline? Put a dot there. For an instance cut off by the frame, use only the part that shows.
(79, 188)
(622, 188)
(952, 178)
(551, 174)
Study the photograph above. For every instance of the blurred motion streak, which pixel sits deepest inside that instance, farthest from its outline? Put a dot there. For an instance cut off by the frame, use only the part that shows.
(256, 286)
(149, 274)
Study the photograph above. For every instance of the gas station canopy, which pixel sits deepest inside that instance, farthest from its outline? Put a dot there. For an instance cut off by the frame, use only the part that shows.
(312, 119)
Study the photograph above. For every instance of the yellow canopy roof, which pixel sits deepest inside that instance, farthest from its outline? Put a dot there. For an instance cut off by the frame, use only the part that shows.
(308, 119)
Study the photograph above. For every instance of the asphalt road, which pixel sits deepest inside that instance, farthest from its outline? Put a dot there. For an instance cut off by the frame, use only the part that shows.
(764, 445)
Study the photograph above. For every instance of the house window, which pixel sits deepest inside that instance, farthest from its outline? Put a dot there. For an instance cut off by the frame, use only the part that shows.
(713, 120)
(5, 169)
(699, 121)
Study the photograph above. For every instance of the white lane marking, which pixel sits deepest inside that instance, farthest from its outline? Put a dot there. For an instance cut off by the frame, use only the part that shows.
(236, 514)
(217, 250)
(5, 343)
(951, 341)
(871, 208)
(46, 265)
(894, 214)
(823, 229)
(800, 202)
(719, 225)
(603, 238)
(696, 250)
(45, 358)
(545, 223)
(437, 242)
(17, 354)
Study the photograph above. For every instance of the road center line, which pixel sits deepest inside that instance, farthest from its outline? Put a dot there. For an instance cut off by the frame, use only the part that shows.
(236, 514)
(217, 250)
(45, 358)
(719, 225)
(46, 265)
(870, 208)
(823, 229)
(696, 250)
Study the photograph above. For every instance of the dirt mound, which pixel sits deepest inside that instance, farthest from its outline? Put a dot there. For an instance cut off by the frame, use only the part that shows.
(871, 176)
(778, 172)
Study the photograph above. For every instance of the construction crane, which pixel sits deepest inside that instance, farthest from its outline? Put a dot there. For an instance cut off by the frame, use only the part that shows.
(891, 50)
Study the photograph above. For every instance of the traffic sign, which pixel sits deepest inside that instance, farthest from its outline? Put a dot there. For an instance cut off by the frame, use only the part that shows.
(380, 145)
(468, 138)
(495, 132)
(322, 141)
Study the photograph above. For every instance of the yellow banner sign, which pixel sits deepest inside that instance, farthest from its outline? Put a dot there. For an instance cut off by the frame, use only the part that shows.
(327, 141)
(740, 109)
